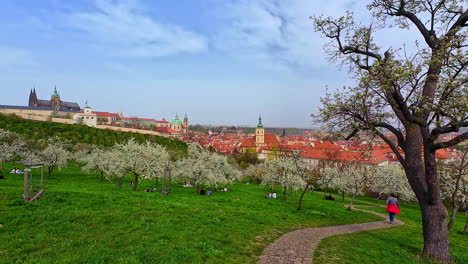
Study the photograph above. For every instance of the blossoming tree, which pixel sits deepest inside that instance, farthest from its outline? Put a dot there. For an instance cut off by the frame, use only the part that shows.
(55, 154)
(283, 172)
(145, 160)
(204, 168)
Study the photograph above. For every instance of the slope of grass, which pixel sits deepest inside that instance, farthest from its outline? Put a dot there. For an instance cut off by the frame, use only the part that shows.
(395, 245)
(81, 219)
(77, 134)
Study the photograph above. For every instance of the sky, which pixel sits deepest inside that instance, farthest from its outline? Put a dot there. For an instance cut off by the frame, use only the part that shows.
(223, 62)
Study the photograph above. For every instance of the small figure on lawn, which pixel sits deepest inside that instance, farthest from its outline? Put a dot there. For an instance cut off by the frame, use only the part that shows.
(392, 207)
(202, 191)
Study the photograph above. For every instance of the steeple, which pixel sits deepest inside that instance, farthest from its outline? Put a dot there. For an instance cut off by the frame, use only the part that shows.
(259, 134)
(186, 117)
(260, 125)
(33, 98)
(55, 94)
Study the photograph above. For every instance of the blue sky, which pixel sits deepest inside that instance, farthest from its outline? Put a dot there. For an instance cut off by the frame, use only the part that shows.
(220, 61)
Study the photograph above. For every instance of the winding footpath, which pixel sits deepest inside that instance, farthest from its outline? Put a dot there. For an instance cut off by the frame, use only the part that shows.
(297, 247)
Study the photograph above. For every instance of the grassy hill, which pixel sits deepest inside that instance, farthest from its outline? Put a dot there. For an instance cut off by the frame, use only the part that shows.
(77, 134)
(81, 219)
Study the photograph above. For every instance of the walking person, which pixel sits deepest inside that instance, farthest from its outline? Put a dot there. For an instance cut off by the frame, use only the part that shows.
(392, 207)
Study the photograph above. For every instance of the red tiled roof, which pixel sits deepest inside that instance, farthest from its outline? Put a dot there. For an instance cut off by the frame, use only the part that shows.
(138, 119)
(374, 158)
(162, 121)
(166, 130)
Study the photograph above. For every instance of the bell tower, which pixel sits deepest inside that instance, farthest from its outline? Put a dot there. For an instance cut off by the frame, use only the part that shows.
(55, 100)
(260, 134)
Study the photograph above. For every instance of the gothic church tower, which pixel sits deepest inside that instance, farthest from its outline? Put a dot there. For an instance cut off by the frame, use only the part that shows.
(33, 98)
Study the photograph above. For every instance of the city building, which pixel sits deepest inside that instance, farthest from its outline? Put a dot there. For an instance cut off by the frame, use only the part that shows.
(87, 117)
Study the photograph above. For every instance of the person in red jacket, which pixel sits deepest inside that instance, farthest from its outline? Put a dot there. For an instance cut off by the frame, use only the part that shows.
(392, 207)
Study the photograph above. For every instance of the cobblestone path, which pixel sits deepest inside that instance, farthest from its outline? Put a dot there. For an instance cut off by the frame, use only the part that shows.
(297, 247)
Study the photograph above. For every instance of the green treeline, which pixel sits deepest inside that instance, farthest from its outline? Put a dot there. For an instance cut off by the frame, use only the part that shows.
(78, 134)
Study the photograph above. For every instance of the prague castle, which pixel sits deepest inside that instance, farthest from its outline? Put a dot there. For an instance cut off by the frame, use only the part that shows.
(54, 102)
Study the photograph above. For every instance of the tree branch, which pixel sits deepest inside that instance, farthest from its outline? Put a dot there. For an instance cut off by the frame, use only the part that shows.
(392, 146)
(429, 36)
(448, 128)
(450, 143)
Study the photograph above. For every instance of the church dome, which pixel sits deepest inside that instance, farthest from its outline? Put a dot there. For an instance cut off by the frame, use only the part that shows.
(55, 94)
(176, 120)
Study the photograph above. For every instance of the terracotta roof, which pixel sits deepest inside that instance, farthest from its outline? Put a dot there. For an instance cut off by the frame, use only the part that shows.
(375, 157)
(138, 119)
(105, 114)
(166, 130)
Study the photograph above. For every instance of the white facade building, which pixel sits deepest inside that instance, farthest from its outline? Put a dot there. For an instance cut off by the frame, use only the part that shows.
(86, 118)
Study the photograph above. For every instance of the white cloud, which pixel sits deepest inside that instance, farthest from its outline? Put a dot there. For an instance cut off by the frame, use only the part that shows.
(121, 28)
(279, 33)
(275, 33)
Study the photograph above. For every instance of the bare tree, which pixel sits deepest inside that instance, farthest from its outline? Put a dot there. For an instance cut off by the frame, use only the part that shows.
(416, 97)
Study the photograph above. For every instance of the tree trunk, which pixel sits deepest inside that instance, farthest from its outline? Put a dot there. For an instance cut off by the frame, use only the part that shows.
(466, 226)
(342, 196)
(351, 202)
(453, 201)
(284, 194)
(49, 170)
(157, 183)
(299, 207)
(453, 214)
(136, 182)
(421, 171)
(435, 231)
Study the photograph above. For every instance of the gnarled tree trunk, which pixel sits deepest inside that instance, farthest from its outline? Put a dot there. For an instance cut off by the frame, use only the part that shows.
(299, 207)
(422, 176)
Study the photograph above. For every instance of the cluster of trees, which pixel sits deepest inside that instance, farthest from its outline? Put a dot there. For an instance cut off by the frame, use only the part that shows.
(290, 173)
(52, 152)
(77, 134)
(149, 161)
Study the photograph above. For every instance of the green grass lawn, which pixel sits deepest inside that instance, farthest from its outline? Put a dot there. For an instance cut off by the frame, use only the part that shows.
(395, 245)
(81, 219)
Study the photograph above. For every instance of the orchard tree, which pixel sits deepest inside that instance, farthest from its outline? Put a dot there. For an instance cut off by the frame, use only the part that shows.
(391, 179)
(282, 172)
(146, 160)
(110, 164)
(416, 96)
(55, 154)
(11, 146)
(453, 175)
(353, 181)
(256, 171)
(204, 168)
(308, 175)
(96, 160)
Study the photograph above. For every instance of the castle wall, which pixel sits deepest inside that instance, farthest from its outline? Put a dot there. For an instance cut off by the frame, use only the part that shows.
(35, 117)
